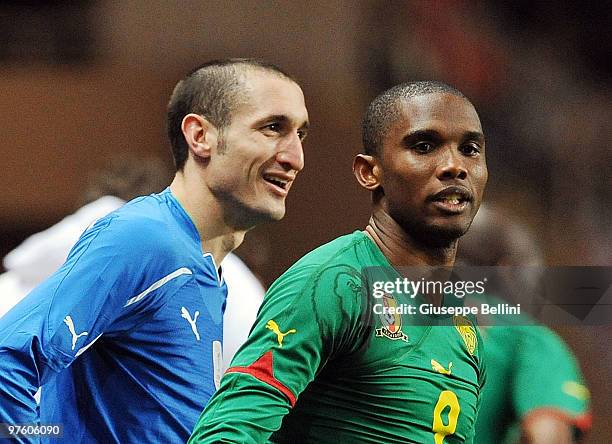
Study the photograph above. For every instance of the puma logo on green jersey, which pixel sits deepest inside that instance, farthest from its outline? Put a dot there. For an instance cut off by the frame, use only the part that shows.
(280, 336)
(435, 365)
(576, 390)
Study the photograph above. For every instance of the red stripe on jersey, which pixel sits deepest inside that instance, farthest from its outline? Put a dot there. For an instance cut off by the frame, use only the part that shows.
(263, 370)
(584, 422)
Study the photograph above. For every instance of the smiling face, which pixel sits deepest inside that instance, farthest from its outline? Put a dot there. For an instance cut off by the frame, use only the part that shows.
(260, 152)
(432, 168)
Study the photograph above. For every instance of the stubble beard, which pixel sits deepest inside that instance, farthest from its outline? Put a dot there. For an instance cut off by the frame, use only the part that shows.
(240, 215)
(431, 235)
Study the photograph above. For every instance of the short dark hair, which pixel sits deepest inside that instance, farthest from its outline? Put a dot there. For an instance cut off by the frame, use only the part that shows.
(213, 90)
(384, 109)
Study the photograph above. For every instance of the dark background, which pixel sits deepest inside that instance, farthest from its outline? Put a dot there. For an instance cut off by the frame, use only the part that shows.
(82, 82)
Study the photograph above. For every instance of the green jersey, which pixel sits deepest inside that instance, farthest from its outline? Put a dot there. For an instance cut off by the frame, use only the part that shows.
(530, 370)
(321, 366)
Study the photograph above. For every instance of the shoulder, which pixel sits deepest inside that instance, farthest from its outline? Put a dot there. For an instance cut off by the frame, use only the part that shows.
(326, 285)
(331, 266)
(538, 340)
(141, 223)
(345, 249)
(140, 234)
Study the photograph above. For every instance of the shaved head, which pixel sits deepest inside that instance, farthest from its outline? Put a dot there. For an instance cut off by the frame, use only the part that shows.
(385, 109)
(213, 90)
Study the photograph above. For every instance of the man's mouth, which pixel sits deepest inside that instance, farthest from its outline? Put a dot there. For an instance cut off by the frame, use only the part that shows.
(452, 199)
(279, 183)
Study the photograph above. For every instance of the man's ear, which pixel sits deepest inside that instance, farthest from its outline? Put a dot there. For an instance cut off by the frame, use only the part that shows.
(367, 171)
(200, 135)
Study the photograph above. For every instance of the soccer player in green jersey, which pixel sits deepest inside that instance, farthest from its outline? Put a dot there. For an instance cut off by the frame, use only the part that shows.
(535, 392)
(320, 365)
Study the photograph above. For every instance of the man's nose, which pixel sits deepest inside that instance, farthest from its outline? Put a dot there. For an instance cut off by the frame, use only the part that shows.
(451, 165)
(291, 154)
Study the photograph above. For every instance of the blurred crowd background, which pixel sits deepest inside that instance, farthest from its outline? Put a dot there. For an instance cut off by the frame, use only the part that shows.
(84, 83)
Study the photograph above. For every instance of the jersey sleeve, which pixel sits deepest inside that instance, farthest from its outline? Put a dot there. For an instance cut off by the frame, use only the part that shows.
(548, 380)
(307, 317)
(93, 294)
(482, 361)
(482, 380)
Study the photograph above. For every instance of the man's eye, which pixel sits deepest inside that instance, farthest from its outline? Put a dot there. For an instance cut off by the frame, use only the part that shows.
(302, 134)
(273, 127)
(470, 150)
(423, 147)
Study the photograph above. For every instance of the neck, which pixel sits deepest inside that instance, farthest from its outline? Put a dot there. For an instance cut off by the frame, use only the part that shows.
(217, 236)
(403, 249)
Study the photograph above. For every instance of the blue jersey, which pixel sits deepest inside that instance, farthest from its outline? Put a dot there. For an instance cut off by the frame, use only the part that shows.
(125, 337)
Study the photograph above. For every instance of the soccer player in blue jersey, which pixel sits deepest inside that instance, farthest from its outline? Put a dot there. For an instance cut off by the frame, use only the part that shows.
(125, 337)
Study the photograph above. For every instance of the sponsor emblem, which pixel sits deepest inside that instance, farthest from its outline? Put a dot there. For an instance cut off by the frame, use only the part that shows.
(391, 323)
(185, 315)
(280, 336)
(75, 337)
(436, 366)
(576, 390)
(466, 329)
